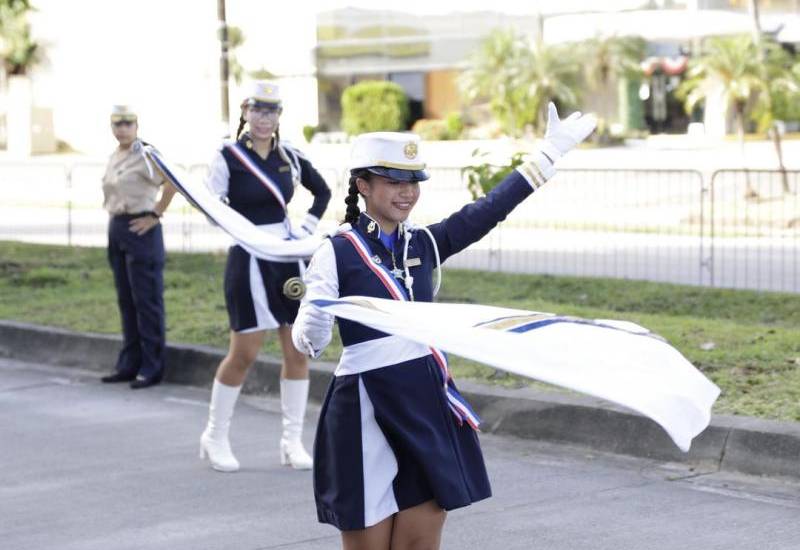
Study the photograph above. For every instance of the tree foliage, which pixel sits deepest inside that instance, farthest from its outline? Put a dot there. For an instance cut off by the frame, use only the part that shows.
(485, 175)
(236, 38)
(518, 78)
(729, 62)
(757, 79)
(612, 57)
(18, 51)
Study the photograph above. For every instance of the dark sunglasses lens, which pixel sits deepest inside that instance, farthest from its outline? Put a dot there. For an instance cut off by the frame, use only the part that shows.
(119, 123)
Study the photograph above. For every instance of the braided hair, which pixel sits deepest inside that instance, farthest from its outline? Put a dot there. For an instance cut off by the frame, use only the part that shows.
(351, 200)
(242, 122)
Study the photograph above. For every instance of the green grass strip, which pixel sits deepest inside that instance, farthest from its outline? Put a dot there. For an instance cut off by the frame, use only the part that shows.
(756, 336)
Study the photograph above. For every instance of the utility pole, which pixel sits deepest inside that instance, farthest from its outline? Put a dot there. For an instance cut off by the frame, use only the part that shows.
(223, 66)
(753, 9)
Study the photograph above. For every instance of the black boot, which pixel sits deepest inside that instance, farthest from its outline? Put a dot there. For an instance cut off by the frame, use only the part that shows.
(117, 377)
(142, 382)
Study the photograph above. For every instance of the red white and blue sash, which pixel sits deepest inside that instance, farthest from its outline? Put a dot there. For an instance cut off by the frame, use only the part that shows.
(248, 163)
(458, 405)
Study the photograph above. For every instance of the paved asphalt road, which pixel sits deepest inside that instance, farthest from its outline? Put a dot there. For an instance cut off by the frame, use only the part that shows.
(92, 467)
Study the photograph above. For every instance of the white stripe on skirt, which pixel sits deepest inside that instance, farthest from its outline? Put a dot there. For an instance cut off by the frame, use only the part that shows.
(264, 318)
(379, 465)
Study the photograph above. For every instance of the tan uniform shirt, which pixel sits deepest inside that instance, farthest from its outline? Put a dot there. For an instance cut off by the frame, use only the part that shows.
(130, 184)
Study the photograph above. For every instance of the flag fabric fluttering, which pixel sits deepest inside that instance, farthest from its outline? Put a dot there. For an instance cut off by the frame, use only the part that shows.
(256, 242)
(615, 360)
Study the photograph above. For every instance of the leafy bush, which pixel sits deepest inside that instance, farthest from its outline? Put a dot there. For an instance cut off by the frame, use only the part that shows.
(308, 132)
(434, 129)
(455, 125)
(483, 177)
(373, 106)
(430, 129)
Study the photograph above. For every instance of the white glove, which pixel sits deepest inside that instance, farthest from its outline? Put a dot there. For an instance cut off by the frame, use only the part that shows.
(312, 331)
(306, 229)
(563, 135)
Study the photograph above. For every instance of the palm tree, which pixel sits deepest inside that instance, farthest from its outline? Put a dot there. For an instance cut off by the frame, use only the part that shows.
(552, 75)
(781, 86)
(732, 63)
(757, 81)
(610, 57)
(18, 51)
(519, 78)
(607, 60)
(781, 90)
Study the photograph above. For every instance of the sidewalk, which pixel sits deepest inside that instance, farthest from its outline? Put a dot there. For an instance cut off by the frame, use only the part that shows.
(731, 443)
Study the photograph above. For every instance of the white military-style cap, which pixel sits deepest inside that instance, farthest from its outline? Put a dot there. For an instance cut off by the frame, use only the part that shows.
(121, 113)
(263, 94)
(395, 155)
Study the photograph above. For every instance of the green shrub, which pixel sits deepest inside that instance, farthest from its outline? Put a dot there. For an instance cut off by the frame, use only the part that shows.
(430, 129)
(455, 125)
(483, 177)
(439, 130)
(309, 131)
(373, 106)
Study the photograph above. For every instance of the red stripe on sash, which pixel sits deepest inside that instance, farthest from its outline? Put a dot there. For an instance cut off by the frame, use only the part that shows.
(458, 406)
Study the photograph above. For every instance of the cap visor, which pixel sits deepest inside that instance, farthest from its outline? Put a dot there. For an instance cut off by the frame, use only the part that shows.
(261, 104)
(398, 174)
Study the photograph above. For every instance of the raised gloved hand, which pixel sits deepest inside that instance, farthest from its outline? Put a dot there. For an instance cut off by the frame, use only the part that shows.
(306, 229)
(312, 331)
(563, 135)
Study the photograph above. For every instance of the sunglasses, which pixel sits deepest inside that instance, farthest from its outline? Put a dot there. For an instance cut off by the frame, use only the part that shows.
(265, 112)
(120, 123)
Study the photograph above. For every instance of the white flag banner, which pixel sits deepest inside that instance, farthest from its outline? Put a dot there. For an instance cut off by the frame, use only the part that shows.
(615, 360)
(248, 236)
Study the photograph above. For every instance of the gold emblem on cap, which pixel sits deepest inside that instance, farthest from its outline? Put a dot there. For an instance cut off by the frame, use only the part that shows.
(294, 288)
(410, 150)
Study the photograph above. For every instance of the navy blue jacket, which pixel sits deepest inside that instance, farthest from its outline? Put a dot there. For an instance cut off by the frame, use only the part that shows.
(248, 196)
(452, 235)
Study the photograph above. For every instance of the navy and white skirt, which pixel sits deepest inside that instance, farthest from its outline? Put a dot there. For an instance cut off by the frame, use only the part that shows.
(254, 292)
(387, 441)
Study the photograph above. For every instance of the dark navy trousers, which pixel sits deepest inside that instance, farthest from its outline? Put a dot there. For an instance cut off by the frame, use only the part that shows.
(138, 266)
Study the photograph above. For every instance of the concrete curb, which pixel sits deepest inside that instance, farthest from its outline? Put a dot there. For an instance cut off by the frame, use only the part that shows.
(732, 443)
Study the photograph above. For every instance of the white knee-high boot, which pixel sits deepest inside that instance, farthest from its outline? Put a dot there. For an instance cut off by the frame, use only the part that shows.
(294, 397)
(214, 442)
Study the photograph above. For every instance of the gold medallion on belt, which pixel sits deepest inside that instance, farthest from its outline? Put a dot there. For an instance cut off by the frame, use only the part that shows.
(294, 288)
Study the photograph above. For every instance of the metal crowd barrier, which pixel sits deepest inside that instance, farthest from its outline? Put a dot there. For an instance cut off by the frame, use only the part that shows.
(732, 228)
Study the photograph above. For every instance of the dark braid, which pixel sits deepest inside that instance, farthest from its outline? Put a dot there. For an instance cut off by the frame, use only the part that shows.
(241, 126)
(277, 135)
(351, 200)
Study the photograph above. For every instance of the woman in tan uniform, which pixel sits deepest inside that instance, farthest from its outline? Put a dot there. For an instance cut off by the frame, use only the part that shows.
(136, 252)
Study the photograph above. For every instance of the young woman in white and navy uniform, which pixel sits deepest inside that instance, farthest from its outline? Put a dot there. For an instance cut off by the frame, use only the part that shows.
(396, 445)
(256, 176)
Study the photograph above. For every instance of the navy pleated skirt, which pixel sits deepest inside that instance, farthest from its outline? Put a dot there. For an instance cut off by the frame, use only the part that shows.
(387, 441)
(254, 293)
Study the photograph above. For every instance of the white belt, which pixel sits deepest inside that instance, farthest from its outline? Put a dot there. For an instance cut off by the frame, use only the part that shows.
(279, 229)
(377, 353)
